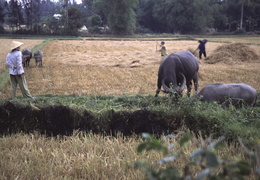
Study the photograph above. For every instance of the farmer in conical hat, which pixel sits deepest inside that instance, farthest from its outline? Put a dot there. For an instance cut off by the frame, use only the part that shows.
(163, 50)
(16, 71)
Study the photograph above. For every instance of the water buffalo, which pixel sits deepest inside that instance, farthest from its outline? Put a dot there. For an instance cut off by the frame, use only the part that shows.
(235, 94)
(176, 71)
(38, 54)
(26, 56)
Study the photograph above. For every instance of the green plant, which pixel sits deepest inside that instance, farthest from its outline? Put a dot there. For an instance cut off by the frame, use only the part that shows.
(203, 163)
(4, 78)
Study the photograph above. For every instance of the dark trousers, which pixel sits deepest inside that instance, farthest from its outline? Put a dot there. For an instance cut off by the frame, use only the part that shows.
(202, 52)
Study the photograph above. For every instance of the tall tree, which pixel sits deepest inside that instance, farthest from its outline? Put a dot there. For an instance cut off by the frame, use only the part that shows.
(146, 18)
(120, 14)
(14, 15)
(243, 4)
(89, 10)
(27, 4)
(36, 6)
(33, 11)
(219, 15)
(122, 19)
(75, 20)
(183, 16)
(65, 13)
(2, 14)
(242, 12)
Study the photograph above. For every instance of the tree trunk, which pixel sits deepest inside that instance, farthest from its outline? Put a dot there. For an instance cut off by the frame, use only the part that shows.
(242, 14)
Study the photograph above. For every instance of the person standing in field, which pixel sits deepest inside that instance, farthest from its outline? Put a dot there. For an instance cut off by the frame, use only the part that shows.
(163, 50)
(16, 71)
(202, 48)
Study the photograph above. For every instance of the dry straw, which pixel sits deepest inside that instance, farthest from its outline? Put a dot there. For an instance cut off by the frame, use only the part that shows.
(232, 53)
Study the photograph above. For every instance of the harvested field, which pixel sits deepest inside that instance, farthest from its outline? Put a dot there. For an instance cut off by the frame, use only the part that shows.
(84, 67)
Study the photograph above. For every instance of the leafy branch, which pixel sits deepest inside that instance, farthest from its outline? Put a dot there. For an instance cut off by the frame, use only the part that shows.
(202, 163)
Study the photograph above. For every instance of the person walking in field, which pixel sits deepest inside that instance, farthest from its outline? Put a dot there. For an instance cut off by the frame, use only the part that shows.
(202, 48)
(16, 71)
(163, 50)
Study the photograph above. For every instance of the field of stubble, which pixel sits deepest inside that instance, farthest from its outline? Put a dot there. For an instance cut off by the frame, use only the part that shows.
(85, 67)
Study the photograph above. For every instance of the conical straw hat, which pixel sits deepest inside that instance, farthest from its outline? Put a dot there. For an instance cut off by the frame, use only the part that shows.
(15, 44)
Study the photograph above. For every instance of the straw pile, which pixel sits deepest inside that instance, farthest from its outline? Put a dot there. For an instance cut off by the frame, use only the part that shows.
(232, 53)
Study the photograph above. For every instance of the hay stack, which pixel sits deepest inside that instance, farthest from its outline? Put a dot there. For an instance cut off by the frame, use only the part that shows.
(232, 53)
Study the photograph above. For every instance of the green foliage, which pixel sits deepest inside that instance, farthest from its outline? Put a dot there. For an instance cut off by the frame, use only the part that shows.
(219, 15)
(1, 15)
(239, 31)
(54, 25)
(4, 78)
(124, 17)
(75, 21)
(206, 160)
(151, 144)
(183, 16)
(121, 16)
(95, 22)
(14, 15)
(195, 16)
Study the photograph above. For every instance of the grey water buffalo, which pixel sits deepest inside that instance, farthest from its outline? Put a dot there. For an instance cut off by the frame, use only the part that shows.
(26, 57)
(235, 94)
(176, 71)
(38, 55)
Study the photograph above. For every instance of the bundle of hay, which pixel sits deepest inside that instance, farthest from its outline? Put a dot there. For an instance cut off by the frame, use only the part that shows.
(232, 53)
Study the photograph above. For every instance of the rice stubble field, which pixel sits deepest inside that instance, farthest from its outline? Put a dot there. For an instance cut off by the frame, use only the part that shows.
(84, 67)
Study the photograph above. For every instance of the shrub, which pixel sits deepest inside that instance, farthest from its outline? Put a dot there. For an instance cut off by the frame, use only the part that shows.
(202, 163)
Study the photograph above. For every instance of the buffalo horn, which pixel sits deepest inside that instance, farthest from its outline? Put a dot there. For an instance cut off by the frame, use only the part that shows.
(183, 83)
(166, 88)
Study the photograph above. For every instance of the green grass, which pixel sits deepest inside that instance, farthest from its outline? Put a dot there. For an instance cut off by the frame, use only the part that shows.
(41, 46)
(17, 36)
(4, 78)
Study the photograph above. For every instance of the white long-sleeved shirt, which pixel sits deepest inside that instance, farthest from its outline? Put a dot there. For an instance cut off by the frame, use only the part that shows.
(14, 61)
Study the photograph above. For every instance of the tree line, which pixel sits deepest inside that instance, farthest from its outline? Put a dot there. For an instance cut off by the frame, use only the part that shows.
(124, 17)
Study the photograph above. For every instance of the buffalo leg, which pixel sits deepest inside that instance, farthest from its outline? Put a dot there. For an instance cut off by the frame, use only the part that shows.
(157, 92)
(189, 86)
(159, 85)
(195, 81)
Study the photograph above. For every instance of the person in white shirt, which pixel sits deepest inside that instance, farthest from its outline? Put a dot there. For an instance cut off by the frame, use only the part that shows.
(16, 71)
